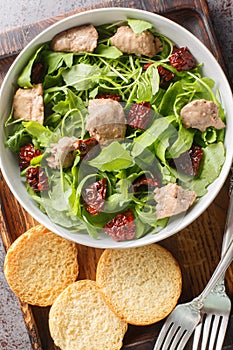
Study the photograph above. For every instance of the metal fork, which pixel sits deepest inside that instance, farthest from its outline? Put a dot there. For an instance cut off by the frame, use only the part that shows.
(181, 323)
(217, 305)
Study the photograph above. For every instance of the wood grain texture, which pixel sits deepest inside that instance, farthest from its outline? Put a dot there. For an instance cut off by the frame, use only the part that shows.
(197, 247)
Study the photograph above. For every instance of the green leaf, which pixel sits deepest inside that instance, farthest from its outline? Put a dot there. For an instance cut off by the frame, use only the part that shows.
(75, 197)
(214, 157)
(55, 60)
(144, 92)
(147, 216)
(94, 92)
(36, 160)
(210, 135)
(167, 103)
(92, 230)
(41, 133)
(161, 145)
(108, 51)
(140, 228)
(53, 80)
(62, 218)
(153, 78)
(183, 142)
(112, 158)
(138, 25)
(73, 112)
(82, 76)
(19, 138)
(148, 84)
(24, 80)
(72, 101)
(55, 202)
(151, 134)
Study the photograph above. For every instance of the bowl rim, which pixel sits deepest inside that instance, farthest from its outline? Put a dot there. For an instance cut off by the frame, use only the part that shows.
(213, 190)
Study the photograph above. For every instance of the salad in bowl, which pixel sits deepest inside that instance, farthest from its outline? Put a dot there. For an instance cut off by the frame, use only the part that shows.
(117, 132)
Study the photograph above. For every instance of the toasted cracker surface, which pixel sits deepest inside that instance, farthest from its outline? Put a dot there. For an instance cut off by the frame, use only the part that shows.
(141, 285)
(80, 319)
(39, 265)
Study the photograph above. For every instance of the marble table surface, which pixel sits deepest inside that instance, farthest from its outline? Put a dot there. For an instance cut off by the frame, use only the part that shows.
(13, 334)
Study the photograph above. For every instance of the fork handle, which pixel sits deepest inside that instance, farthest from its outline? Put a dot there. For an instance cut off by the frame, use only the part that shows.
(219, 271)
(224, 263)
(226, 255)
(226, 258)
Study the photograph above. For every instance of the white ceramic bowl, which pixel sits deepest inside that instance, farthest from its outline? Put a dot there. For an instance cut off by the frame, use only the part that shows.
(177, 34)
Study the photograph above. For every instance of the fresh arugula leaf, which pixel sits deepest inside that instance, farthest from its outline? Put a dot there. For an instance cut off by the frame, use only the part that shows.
(153, 78)
(112, 157)
(55, 60)
(162, 144)
(147, 215)
(108, 51)
(73, 112)
(36, 160)
(53, 80)
(214, 157)
(141, 228)
(151, 134)
(138, 25)
(18, 138)
(144, 93)
(42, 135)
(182, 143)
(24, 80)
(166, 106)
(91, 229)
(63, 218)
(82, 76)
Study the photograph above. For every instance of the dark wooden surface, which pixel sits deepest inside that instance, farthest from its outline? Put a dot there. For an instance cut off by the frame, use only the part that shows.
(197, 247)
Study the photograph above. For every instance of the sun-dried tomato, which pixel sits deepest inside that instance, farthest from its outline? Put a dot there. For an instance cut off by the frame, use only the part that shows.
(37, 73)
(189, 162)
(182, 59)
(143, 184)
(139, 115)
(94, 196)
(175, 48)
(26, 154)
(147, 65)
(114, 97)
(88, 148)
(37, 179)
(165, 75)
(122, 227)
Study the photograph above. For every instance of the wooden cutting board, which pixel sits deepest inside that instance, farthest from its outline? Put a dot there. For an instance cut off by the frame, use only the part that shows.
(197, 247)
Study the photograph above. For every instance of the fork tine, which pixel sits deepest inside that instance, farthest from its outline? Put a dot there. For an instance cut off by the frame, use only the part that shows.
(221, 335)
(170, 334)
(215, 327)
(173, 338)
(206, 330)
(162, 335)
(184, 339)
(180, 334)
(197, 335)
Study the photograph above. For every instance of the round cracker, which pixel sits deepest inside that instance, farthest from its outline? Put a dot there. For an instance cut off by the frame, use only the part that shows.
(141, 285)
(39, 265)
(80, 319)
